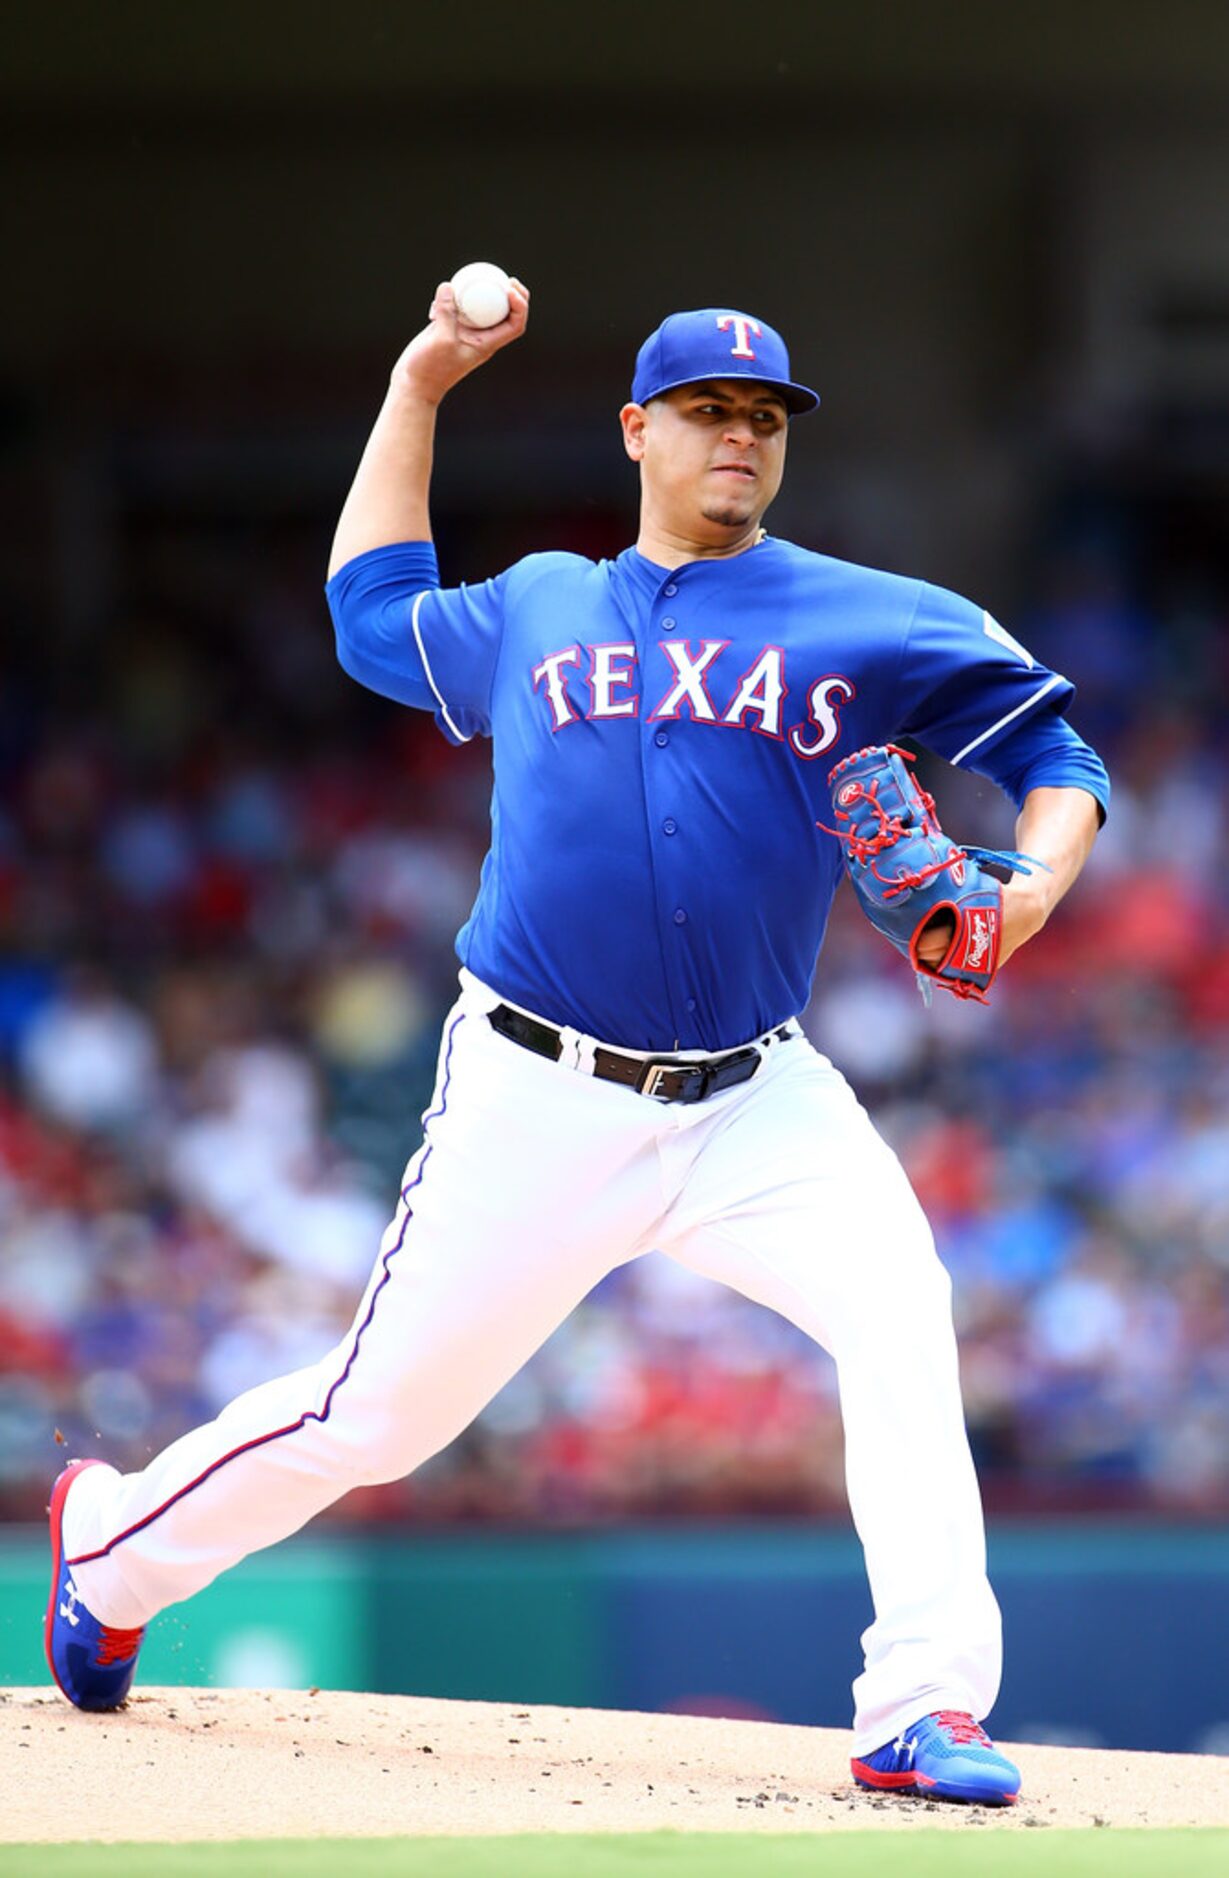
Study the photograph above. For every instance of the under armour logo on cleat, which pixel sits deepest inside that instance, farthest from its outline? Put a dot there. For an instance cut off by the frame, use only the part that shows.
(69, 1610)
(906, 1748)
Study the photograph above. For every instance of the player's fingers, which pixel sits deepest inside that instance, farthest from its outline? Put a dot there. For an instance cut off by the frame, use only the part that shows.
(490, 338)
(935, 939)
(439, 313)
(518, 305)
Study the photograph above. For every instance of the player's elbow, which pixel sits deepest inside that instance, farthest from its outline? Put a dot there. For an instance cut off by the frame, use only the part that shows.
(1073, 766)
(349, 657)
(368, 657)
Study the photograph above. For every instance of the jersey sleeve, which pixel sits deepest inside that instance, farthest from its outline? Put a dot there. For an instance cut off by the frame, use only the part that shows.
(1040, 751)
(400, 633)
(966, 683)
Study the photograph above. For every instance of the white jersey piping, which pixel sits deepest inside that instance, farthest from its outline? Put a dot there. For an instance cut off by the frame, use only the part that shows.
(1051, 681)
(426, 665)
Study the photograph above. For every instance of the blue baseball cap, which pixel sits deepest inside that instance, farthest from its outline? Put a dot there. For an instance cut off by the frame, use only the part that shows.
(714, 342)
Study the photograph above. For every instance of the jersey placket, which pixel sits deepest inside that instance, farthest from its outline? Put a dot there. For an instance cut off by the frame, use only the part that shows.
(665, 811)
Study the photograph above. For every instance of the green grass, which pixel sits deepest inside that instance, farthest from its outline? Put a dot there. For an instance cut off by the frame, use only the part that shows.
(905, 1853)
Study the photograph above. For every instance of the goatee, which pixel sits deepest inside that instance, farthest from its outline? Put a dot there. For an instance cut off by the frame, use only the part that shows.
(726, 517)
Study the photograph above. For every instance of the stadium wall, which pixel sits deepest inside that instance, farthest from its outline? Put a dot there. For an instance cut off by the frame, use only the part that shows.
(759, 1621)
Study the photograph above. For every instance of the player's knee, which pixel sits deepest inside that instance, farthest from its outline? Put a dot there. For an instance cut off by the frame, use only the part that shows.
(400, 1452)
(377, 1441)
(913, 1288)
(928, 1295)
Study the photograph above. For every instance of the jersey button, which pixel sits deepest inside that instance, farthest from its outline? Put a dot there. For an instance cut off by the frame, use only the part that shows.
(662, 739)
(670, 591)
(669, 826)
(668, 625)
(691, 1004)
(680, 918)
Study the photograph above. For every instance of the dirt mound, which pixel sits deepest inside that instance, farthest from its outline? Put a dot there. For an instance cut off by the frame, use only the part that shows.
(232, 1763)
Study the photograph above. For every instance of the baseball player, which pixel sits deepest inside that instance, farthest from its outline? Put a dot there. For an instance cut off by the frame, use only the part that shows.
(624, 1068)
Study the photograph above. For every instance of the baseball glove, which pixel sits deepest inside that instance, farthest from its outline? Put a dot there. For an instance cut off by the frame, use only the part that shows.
(906, 871)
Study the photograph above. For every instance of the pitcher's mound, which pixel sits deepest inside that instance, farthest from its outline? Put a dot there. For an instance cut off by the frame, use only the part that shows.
(243, 1764)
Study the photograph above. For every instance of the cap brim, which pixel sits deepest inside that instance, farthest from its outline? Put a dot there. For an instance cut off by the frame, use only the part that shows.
(796, 398)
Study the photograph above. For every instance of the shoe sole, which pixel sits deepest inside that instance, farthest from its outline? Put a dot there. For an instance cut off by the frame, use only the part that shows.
(55, 1512)
(926, 1788)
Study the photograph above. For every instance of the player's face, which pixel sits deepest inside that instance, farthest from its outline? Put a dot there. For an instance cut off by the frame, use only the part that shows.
(711, 456)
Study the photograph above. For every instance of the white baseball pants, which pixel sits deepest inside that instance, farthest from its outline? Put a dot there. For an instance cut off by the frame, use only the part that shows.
(532, 1183)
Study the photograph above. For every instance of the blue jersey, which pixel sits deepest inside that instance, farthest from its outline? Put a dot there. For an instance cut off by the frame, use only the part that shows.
(662, 740)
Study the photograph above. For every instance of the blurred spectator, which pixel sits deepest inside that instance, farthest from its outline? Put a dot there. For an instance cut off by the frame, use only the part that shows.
(88, 1058)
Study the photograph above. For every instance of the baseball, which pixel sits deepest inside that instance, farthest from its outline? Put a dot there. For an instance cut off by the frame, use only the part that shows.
(481, 293)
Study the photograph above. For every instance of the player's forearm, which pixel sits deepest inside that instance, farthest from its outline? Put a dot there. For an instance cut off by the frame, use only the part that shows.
(1057, 826)
(388, 500)
(389, 497)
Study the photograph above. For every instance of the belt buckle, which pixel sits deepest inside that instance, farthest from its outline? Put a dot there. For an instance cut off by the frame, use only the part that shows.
(695, 1081)
(651, 1078)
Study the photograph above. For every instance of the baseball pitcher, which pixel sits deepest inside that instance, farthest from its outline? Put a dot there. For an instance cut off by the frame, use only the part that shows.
(692, 744)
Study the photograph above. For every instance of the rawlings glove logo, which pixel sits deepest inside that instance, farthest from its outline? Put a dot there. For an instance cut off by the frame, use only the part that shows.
(977, 948)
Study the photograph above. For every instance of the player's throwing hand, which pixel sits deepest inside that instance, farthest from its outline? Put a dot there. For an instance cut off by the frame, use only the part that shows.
(447, 349)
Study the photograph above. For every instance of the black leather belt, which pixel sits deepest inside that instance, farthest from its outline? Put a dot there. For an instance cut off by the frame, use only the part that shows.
(663, 1077)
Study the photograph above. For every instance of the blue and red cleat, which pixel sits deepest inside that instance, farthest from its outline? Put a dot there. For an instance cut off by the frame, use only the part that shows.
(945, 1756)
(93, 1664)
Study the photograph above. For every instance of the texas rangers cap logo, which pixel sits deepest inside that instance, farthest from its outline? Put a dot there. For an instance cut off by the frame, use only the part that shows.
(743, 327)
(717, 342)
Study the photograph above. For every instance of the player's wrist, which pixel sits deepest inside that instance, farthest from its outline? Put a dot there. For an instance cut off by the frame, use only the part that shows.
(426, 372)
(411, 389)
(1027, 905)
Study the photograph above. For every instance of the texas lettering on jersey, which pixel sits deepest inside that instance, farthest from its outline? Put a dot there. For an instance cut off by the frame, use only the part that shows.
(597, 682)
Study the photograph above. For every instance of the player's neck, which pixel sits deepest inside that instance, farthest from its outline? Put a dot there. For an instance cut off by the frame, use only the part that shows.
(666, 548)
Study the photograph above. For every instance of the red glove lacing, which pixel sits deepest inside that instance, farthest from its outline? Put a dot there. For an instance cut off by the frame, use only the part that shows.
(890, 830)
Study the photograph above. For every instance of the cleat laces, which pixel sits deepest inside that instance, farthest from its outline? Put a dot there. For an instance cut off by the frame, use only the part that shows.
(962, 1728)
(116, 1646)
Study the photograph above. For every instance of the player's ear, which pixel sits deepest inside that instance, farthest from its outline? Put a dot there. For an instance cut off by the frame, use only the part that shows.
(634, 419)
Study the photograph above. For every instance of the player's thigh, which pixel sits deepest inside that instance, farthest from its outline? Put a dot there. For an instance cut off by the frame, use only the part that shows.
(523, 1195)
(797, 1201)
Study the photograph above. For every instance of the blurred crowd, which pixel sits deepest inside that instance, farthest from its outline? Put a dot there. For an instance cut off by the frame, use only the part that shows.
(229, 885)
